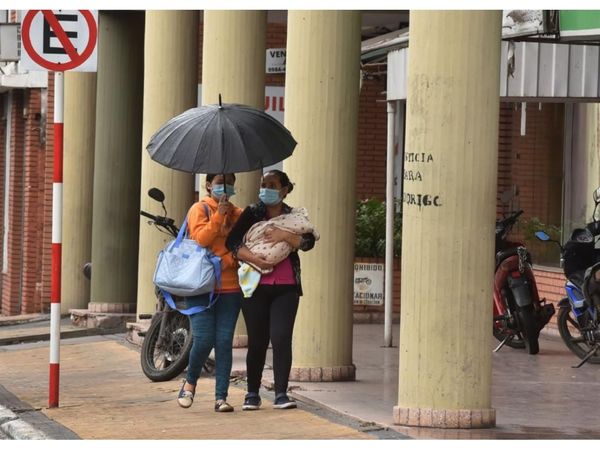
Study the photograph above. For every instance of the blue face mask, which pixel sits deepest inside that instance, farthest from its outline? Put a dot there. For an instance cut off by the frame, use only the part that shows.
(269, 196)
(219, 190)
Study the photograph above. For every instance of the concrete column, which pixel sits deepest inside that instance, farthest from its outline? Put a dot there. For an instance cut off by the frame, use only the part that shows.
(233, 65)
(322, 90)
(170, 87)
(448, 220)
(592, 138)
(117, 162)
(78, 187)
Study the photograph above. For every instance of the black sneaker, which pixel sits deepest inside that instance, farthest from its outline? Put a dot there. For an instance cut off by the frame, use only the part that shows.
(251, 402)
(282, 401)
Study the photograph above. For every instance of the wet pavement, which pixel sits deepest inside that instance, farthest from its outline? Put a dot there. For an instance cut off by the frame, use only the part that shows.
(535, 396)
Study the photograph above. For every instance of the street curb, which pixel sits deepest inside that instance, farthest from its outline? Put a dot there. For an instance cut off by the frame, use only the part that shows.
(19, 320)
(365, 426)
(85, 332)
(21, 421)
(16, 428)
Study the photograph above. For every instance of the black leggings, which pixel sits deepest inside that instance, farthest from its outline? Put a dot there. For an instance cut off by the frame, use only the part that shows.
(270, 314)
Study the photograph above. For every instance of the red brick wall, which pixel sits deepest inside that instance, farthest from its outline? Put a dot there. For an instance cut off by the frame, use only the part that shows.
(3, 120)
(32, 226)
(534, 162)
(11, 279)
(372, 139)
(551, 286)
(30, 213)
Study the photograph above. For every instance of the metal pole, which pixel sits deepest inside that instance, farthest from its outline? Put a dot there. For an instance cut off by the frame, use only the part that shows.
(389, 227)
(57, 191)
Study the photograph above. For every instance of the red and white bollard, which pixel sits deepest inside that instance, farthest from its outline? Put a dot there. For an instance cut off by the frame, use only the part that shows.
(57, 197)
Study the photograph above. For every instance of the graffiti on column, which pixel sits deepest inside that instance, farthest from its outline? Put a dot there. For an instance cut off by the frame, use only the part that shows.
(415, 174)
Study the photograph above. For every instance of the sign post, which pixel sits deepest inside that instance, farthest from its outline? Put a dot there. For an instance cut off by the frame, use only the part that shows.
(58, 40)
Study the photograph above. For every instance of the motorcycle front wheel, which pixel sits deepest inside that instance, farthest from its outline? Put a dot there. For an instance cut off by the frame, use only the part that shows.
(165, 359)
(571, 335)
(529, 329)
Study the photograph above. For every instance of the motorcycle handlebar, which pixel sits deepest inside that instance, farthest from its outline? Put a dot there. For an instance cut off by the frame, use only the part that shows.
(148, 215)
(165, 222)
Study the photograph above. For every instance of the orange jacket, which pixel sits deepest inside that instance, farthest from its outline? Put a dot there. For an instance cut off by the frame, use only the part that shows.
(212, 235)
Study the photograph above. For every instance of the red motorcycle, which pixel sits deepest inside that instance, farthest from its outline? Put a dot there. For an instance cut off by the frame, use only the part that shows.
(519, 314)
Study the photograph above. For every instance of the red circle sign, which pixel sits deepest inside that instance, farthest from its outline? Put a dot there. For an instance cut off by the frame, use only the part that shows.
(76, 58)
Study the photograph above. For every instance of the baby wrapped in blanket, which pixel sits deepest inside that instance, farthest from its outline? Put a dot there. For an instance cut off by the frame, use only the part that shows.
(295, 222)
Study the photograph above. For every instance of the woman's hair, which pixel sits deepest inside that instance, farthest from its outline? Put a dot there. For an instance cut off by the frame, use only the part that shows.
(283, 179)
(211, 176)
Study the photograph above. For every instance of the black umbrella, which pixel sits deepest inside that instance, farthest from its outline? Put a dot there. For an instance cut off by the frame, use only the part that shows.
(223, 138)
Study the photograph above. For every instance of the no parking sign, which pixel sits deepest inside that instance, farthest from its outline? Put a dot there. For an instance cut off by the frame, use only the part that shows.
(60, 40)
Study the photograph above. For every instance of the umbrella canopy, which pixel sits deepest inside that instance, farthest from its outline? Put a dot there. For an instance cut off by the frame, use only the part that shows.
(225, 138)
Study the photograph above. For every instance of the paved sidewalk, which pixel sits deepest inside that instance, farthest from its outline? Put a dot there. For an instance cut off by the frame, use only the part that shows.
(104, 395)
(535, 396)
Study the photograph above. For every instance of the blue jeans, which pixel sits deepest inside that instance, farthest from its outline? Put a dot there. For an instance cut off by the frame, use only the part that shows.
(213, 327)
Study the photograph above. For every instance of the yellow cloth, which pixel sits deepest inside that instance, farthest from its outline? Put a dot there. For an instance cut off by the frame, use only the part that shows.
(248, 279)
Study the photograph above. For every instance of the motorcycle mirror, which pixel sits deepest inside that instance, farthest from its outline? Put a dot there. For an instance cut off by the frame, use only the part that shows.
(156, 194)
(596, 195)
(542, 236)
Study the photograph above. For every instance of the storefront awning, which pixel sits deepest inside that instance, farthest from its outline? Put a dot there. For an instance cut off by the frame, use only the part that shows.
(529, 71)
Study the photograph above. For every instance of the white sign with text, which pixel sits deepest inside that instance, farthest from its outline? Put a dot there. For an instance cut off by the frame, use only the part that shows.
(368, 284)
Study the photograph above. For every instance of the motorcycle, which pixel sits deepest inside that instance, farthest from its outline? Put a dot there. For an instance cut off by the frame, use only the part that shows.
(168, 341)
(578, 320)
(519, 314)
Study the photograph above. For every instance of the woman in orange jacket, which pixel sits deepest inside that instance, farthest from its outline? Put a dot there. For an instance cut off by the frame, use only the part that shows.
(209, 222)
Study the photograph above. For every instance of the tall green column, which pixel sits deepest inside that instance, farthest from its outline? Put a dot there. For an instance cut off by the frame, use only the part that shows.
(78, 187)
(321, 100)
(117, 162)
(233, 65)
(448, 220)
(170, 87)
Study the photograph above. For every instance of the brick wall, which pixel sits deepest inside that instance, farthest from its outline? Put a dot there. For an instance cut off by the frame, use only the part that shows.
(30, 215)
(32, 226)
(534, 162)
(372, 138)
(11, 278)
(551, 286)
(3, 120)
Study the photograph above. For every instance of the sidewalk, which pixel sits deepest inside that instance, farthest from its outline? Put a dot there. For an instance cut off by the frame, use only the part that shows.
(105, 395)
(535, 396)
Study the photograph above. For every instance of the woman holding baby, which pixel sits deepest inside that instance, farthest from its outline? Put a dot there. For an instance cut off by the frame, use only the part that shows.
(271, 311)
